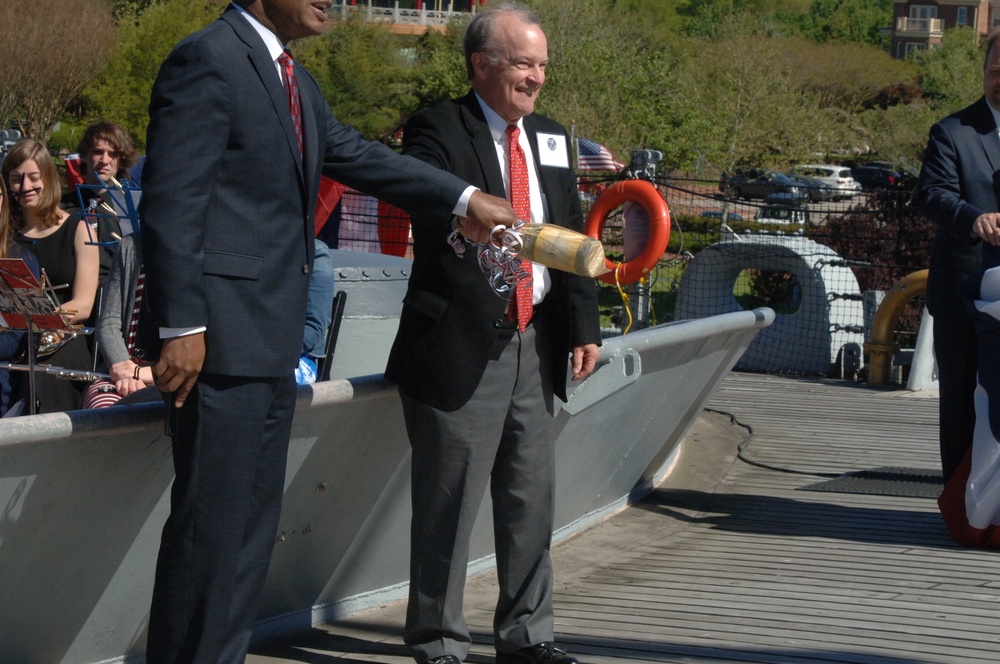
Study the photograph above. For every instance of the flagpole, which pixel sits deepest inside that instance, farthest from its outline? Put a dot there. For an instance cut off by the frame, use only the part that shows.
(574, 146)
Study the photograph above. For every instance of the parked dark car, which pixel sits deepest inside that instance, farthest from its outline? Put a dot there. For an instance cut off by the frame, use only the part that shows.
(816, 189)
(876, 177)
(757, 183)
(717, 214)
(793, 197)
(908, 175)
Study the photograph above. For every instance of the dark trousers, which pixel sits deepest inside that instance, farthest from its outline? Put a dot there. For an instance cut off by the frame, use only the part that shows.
(502, 437)
(955, 346)
(229, 451)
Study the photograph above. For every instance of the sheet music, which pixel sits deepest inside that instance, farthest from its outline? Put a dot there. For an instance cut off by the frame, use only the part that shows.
(22, 297)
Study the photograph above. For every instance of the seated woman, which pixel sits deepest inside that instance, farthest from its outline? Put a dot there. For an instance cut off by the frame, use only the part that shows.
(66, 254)
(128, 343)
(12, 344)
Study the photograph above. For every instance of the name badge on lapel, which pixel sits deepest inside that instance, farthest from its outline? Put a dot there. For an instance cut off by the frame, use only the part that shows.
(552, 150)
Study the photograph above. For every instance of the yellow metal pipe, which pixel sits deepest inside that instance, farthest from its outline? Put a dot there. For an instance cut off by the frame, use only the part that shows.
(881, 348)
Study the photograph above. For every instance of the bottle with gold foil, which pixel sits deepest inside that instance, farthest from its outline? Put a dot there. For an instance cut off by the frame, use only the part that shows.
(562, 249)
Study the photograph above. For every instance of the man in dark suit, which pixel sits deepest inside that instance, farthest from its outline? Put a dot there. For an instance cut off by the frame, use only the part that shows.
(477, 390)
(238, 138)
(958, 190)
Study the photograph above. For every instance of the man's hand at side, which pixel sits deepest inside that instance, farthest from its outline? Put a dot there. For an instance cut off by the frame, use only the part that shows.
(987, 227)
(180, 363)
(584, 360)
(485, 212)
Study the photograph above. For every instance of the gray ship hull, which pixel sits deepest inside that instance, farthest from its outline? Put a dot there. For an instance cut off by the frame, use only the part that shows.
(84, 494)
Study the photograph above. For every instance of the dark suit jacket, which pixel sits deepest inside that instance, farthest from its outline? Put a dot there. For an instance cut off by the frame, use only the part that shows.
(959, 182)
(451, 316)
(228, 204)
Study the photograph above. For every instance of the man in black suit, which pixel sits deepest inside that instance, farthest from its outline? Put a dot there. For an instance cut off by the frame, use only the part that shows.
(958, 190)
(477, 391)
(238, 138)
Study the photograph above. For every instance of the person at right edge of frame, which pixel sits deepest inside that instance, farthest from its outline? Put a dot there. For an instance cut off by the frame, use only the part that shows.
(958, 191)
(476, 372)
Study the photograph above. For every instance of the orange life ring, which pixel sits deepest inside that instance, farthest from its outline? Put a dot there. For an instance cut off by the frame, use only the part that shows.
(646, 195)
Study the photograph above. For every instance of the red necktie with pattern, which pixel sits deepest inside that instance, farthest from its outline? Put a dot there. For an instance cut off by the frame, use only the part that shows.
(520, 200)
(292, 88)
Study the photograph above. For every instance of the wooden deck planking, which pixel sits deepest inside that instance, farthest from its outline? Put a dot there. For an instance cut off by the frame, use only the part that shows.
(732, 562)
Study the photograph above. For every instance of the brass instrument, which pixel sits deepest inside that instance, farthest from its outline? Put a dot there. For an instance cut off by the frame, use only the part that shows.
(58, 372)
(49, 341)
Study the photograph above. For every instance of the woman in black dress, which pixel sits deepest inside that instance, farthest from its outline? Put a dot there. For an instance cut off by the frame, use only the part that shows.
(66, 253)
(12, 343)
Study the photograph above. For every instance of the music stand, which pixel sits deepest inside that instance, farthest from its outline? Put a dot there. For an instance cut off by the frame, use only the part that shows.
(118, 200)
(25, 305)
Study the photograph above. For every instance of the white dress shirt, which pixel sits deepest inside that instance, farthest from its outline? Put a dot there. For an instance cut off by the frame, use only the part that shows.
(541, 279)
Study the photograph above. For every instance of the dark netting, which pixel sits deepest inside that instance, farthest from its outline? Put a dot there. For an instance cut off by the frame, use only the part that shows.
(822, 266)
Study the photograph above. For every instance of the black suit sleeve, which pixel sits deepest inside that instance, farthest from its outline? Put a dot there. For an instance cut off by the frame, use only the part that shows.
(941, 193)
(188, 132)
(374, 168)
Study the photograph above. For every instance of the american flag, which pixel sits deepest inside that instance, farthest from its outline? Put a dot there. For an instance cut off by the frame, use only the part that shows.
(595, 157)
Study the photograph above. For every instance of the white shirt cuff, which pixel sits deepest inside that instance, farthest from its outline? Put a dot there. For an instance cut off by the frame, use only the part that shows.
(462, 206)
(171, 332)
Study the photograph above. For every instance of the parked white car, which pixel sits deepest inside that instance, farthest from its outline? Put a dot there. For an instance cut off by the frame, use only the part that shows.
(837, 178)
(782, 214)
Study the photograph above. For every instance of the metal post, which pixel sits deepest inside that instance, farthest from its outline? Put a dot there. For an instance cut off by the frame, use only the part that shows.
(639, 305)
(31, 368)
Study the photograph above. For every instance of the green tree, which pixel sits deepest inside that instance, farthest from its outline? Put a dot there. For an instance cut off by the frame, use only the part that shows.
(367, 78)
(899, 133)
(710, 18)
(440, 67)
(952, 75)
(122, 92)
(660, 15)
(841, 81)
(853, 21)
(741, 94)
(842, 75)
(738, 93)
(606, 77)
(129, 10)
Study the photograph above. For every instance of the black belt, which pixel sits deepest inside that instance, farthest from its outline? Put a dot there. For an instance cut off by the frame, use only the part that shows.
(505, 322)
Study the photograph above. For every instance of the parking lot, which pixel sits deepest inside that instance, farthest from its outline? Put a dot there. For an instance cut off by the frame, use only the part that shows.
(694, 198)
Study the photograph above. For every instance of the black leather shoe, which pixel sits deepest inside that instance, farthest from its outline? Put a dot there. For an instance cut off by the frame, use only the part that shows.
(541, 653)
(444, 659)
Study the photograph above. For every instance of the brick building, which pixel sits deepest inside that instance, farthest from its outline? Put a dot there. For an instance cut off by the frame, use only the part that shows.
(920, 24)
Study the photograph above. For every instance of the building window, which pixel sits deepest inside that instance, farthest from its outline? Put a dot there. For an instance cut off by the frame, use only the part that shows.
(962, 16)
(923, 11)
(914, 46)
